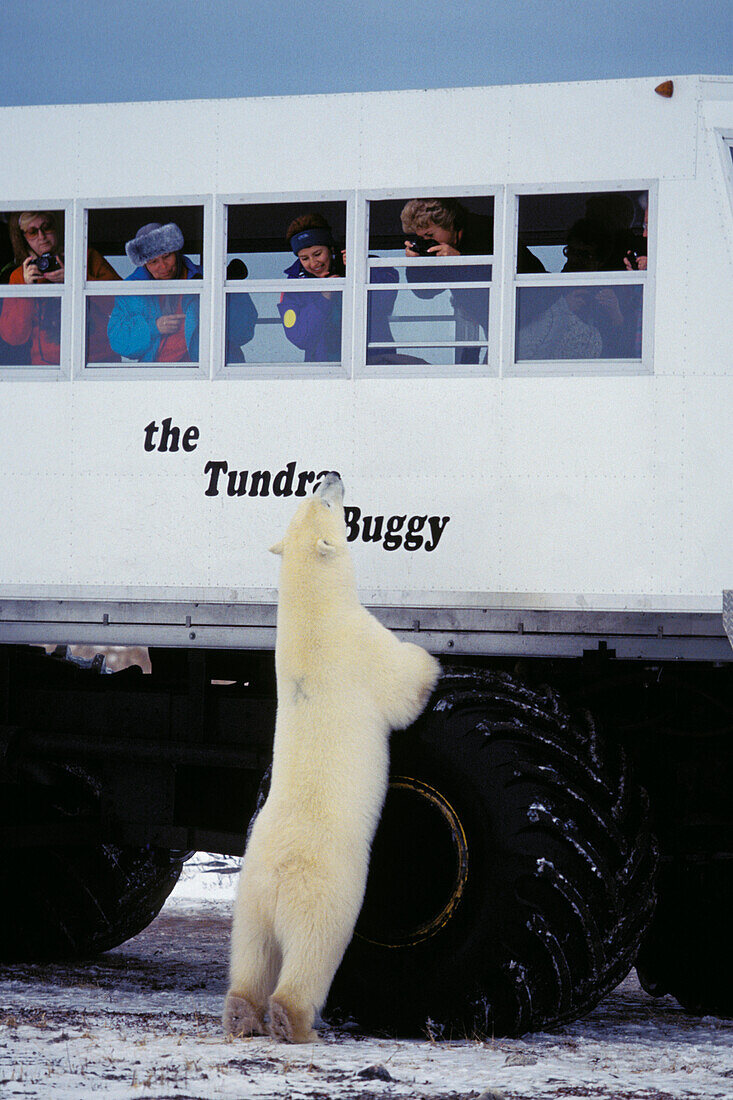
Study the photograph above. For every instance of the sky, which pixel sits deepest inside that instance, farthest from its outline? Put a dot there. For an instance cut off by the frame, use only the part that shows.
(81, 51)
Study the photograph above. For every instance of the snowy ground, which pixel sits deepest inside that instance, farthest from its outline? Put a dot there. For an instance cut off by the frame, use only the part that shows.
(143, 1021)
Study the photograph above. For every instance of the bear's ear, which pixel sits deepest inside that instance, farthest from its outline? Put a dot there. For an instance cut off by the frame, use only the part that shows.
(326, 548)
(277, 548)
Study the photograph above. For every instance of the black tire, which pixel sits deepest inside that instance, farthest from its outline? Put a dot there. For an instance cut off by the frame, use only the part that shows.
(512, 873)
(688, 950)
(73, 900)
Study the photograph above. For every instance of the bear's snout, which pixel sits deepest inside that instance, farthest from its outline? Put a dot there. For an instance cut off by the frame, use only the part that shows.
(331, 488)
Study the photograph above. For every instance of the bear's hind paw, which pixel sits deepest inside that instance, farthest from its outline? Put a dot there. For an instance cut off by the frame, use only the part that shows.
(241, 1017)
(290, 1025)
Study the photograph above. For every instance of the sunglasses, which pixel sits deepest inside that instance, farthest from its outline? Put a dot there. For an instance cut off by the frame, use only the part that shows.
(36, 230)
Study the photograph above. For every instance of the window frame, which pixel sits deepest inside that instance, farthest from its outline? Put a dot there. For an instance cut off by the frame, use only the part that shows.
(85, 289)
(64, 291)
(512, 282)
(253, 287)
(491, 368)
(724, 137)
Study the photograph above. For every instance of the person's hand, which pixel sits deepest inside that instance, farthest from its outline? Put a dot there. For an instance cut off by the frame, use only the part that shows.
(56, 276)
(328, 294)
(410, 251)
(31, 274)
(640, 264)
(169, 323)
(443, 250)
(608, 303)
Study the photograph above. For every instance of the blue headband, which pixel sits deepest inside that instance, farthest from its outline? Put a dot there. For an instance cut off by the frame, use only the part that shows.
(309, 237)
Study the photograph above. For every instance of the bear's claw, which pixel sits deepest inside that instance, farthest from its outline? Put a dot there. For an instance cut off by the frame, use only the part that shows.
(241, 1017)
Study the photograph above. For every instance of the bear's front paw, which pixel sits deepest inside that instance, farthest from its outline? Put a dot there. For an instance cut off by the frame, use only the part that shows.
(241, 1017)
(289, 1024)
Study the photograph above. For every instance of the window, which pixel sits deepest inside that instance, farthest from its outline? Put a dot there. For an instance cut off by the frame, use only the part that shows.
(33, 290)
(580, 271)
(553, 282)
(154, 255)
(292, 309)
(429, 278)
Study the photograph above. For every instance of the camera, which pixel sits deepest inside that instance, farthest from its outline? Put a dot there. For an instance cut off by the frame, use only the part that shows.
(47, 262)
(421, 244)
(636, 248)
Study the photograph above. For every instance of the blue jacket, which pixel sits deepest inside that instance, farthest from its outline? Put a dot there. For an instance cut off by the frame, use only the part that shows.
(132, 329)
(240, 325)
(313, 322)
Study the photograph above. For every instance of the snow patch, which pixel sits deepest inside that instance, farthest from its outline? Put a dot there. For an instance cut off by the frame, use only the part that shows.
(144, 1021)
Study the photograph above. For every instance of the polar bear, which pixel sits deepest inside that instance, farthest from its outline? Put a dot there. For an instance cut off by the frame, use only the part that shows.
(343, 682)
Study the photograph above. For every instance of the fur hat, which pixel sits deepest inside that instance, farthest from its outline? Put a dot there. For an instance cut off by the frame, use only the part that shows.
(154, 240)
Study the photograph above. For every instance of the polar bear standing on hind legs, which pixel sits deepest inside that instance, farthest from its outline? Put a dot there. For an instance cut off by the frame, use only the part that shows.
(343, 682)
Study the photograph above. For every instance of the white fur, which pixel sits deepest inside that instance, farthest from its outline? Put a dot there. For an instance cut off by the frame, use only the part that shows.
(343, 681)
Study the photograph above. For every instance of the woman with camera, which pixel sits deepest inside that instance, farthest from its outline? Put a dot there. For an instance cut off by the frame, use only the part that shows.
(38, 251)
(444, 227)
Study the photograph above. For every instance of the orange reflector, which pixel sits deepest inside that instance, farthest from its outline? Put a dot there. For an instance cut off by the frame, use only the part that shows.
(666, 88)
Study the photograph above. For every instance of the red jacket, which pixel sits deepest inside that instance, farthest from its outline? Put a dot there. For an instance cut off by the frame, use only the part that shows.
(39, 319)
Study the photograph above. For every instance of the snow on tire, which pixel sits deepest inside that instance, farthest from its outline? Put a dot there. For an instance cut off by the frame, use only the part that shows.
(512, 873)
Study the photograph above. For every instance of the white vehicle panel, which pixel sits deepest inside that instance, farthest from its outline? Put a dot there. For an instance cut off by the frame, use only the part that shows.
(599, 486)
